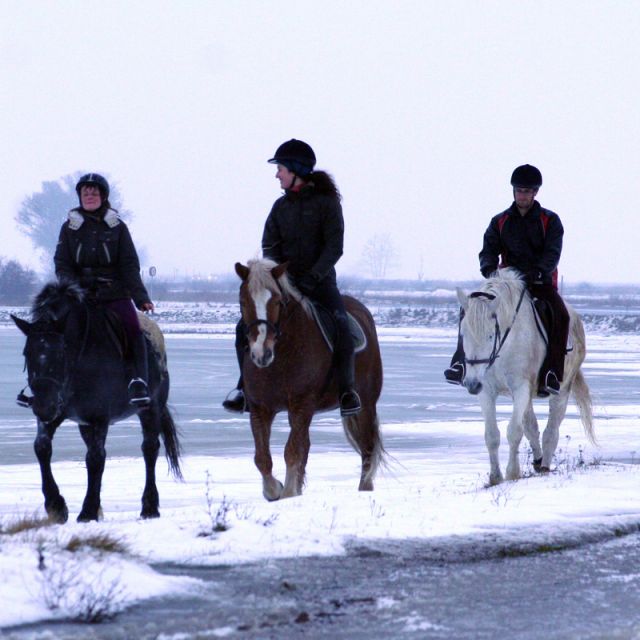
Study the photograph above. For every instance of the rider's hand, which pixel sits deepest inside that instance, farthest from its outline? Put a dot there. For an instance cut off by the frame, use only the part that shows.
(307, 284)
(147, 306)
(534, 277)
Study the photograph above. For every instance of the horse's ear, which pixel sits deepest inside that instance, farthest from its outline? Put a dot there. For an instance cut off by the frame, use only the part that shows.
(23, 325)
(242, 271)
(463, 298)
(277, 272)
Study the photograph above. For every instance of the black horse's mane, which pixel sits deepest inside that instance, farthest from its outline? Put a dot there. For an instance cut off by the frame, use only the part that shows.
(55, 300)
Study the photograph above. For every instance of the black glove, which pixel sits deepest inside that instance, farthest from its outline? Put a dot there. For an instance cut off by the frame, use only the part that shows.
(307, 284)
(534, 276)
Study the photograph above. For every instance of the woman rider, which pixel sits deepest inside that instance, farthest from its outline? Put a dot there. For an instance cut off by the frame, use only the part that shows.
(95, 249)
(305, 228)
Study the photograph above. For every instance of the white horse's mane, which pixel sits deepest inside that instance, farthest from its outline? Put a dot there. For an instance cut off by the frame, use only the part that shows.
(260, 277)
(506, 285)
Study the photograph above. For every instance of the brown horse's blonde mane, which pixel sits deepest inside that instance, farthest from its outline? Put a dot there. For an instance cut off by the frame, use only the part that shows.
(260, 277)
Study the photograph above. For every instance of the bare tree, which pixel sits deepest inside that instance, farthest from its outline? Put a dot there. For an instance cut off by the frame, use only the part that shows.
(379, 255)
(41, 214)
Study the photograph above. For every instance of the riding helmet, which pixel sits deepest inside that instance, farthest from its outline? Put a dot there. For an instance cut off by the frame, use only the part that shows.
(296, 155)
(97, 180)
(526, 176)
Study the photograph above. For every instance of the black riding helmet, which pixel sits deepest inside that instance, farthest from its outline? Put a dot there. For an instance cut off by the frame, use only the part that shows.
(97, 180)
(296, 155)
(526, 176)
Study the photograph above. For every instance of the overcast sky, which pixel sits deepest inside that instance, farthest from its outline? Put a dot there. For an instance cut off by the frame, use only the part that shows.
(420, 110)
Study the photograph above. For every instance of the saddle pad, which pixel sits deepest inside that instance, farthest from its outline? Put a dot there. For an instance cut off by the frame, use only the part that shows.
(155, 338)
(328, 328)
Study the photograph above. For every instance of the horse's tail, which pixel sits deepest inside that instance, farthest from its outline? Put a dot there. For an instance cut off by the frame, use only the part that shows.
(364, 436)
(170, 437)
(582, 396)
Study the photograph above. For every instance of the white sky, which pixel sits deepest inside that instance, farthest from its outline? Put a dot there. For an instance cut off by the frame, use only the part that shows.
(420, 109)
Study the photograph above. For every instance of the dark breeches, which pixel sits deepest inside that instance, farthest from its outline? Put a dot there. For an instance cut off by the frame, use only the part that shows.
(126, 311)
(327, 294)
(559, 331)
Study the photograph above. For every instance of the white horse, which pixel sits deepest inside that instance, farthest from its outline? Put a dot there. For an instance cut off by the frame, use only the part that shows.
(504, 352)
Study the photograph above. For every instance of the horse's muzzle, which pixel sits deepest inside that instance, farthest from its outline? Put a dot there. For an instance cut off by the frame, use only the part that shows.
(264, 359)
(473, 386)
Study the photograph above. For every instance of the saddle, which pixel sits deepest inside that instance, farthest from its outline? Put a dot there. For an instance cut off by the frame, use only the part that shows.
(329, 331)
(118, 337)
(543, 315)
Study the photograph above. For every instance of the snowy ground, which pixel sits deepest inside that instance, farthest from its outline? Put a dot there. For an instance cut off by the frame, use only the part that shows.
(432, 489)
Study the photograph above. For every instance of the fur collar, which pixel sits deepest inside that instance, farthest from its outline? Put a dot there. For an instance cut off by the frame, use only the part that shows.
(76, 219)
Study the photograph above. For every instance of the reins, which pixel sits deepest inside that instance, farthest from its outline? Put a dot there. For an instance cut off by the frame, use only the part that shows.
(498, 342)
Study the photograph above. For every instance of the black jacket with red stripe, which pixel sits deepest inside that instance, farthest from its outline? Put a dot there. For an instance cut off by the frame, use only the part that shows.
(530, 242)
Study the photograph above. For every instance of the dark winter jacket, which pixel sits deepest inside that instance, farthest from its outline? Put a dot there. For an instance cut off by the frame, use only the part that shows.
(96, 250)
(307, 230)
(532, 242)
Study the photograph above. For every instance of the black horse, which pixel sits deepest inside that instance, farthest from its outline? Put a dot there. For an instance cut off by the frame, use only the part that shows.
(77, 370)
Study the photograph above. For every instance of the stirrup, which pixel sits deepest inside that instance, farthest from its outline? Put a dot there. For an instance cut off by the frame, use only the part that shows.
(551, 383)
(138, 392)
(350, 403)
(455, 373)
(23, 400)
(235, 402)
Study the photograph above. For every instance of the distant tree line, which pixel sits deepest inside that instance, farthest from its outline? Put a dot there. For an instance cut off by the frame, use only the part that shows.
(17, 283)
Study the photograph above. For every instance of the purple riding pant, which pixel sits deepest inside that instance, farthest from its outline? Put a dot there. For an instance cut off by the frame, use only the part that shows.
(127, 313)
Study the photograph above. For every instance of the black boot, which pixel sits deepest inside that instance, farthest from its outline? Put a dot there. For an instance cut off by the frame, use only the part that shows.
(235, 402)
(349, 399)
(455, 373)
(138, 389)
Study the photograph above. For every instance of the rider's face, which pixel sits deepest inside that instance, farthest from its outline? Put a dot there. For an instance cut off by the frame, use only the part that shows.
(90, 197)
(286, 177)
(524, 197)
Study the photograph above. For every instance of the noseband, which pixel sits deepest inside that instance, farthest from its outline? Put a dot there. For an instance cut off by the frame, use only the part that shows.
(256, 323)
(498, 342)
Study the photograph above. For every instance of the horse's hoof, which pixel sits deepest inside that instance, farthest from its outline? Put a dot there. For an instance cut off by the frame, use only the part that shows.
(57, 512)
(545, 470)
(147, 515)
(537, 465)
(89, 515)
(272, 490)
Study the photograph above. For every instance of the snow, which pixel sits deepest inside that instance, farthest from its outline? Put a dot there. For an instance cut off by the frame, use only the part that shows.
(435, 492)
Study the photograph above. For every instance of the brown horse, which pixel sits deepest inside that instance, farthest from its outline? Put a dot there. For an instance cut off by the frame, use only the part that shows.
(301, 379)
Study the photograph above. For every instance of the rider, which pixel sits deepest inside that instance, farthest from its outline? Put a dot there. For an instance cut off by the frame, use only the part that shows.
(305, 228)
(95, 249)
(529, 238)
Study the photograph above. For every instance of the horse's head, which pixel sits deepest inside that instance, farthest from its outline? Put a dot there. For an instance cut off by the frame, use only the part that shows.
(488, 316)
(262, 292)
(45, 358)
(45, 352)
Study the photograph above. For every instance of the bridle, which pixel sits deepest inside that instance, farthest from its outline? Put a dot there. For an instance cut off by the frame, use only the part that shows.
(498, 341)
(274, 327)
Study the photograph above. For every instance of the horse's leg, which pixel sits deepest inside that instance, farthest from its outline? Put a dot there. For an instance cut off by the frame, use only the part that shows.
(491, 436)
(54, 504)
(515, 430)
(150, 421)
(363, 433)
(94, 436)
(532, 431)
(557, 410)
(296, 451)
(261, 420)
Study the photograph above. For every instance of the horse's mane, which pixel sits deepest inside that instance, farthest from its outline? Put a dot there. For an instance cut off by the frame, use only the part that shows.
(55, 300)
(506, 285)
(260, 278)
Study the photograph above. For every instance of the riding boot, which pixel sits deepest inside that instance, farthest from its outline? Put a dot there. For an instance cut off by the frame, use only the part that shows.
(235, 402)
(455, 372)
(138, 389)
(349, 398)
